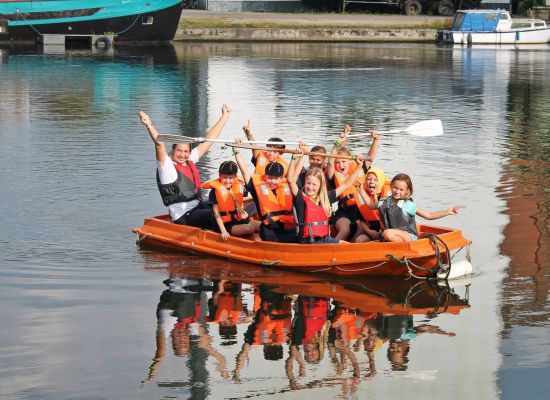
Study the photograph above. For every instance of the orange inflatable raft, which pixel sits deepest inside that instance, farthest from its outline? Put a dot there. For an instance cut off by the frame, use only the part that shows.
(428, 256)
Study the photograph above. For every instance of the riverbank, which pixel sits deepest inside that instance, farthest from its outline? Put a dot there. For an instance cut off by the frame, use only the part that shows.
(198, 25)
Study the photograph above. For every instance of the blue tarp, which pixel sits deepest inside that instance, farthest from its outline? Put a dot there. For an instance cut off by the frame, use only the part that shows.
(477, 22)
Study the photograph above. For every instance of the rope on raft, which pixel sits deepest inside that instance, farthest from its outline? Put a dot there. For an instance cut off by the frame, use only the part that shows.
(270, 263)
(348, 270)
(439, 265)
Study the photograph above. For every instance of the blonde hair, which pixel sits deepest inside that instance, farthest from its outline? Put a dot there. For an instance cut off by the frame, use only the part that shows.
(342, 151)
(320, 340)
(322, 195)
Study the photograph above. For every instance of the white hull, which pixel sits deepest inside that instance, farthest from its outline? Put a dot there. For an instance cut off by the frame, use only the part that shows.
(532, 36)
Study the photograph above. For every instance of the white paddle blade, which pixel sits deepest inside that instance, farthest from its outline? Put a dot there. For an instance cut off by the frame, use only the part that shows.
(432, 127)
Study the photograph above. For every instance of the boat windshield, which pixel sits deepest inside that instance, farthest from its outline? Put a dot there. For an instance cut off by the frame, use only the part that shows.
(457, 23)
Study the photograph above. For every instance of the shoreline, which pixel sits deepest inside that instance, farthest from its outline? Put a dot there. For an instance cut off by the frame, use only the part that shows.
(198, 25)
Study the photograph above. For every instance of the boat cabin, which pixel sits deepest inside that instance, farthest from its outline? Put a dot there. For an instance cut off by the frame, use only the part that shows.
(482, 21)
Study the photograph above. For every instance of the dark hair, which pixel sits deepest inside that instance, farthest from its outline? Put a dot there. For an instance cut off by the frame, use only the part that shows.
(275, 146)
(318, 149)
(228, 167)
(175, 144)
(273, 352)
(405, 178)
(274, 169)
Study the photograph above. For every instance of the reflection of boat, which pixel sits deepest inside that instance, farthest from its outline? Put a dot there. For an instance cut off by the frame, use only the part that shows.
(388, 296)
(373, 258)
(493, 27)
(129, 20)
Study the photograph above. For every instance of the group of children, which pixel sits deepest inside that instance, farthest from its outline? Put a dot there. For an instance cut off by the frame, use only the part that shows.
(294, 204)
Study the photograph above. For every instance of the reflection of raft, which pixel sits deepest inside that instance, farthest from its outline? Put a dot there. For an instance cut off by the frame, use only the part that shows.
(368, 294)
(420, 258)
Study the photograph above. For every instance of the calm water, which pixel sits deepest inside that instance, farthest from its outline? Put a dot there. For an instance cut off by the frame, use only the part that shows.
(86, 315)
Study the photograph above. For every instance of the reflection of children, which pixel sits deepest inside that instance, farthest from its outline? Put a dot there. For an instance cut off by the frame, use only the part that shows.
(270, 328)
(178, 314)
(398, 211)
(226, 197)
(399, 329)
(226, 308)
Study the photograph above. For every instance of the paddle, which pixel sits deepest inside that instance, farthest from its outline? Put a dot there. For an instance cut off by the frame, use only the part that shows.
(164, 137)
(432, 127)
(290, 151)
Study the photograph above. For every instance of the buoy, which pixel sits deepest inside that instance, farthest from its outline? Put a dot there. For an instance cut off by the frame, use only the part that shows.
(102, 42)
(459, 269)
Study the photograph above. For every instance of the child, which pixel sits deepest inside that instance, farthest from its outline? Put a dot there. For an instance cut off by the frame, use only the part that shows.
(226, 197)
(377, 187)
(313, 202)
(338, 170)
(261, 158)
(398, 211)
(273, 200)
(314, 162)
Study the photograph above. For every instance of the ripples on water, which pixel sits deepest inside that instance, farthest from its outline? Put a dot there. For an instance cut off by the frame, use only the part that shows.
(80, 301)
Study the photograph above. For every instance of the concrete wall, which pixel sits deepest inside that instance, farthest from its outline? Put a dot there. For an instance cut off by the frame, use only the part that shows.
(255, 5)
(306, 35)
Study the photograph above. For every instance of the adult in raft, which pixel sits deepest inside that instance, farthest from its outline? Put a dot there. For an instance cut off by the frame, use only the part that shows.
(178, 178)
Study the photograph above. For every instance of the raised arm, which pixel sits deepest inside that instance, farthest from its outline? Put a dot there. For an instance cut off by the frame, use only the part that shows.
(437, 214)
(294, 169)
(340, 142)
(241, 164)
(215, 131)
(247, 131)
(374, 145)
(160, 149)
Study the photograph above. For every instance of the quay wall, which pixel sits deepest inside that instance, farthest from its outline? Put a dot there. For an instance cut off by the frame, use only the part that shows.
(348, 34)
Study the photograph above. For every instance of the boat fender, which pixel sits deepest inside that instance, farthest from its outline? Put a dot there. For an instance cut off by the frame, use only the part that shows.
(463, 281)
(469, 39)
(102, 42)
(459, 269)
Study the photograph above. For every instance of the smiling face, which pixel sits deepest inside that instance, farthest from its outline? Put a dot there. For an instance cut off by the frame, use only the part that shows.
(273, 181)
(400, 190)
(312, 186)
(272, 155)
(227, 180)
(180, 153)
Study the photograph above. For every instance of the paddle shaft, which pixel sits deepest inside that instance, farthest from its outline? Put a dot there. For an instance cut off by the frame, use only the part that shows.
(290, 151)
(163, 137)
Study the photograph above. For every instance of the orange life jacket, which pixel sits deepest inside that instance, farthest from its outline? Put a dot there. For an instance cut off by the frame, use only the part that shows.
(262, 161)
(274, 328)
(348, 198)
(315, 222)
(229, 309)
(274, 206)
(346, 323)
(368, 213)
(230, 202)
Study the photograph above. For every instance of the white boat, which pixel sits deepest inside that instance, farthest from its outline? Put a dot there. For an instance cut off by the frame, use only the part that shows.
(493, 27)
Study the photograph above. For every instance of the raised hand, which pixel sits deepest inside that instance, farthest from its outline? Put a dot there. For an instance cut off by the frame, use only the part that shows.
(453, 210)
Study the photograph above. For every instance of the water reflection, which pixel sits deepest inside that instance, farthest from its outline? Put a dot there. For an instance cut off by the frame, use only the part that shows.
(232, 321)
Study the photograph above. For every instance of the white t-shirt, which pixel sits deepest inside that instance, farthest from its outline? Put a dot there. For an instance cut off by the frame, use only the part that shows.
(168, 174)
